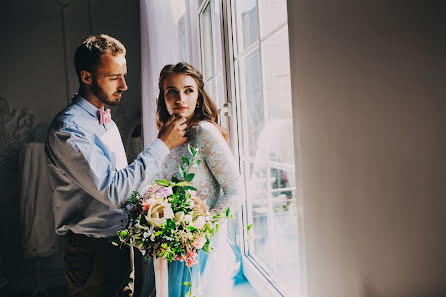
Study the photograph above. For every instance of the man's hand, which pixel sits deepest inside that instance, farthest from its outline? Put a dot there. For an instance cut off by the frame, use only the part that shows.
(172, 134)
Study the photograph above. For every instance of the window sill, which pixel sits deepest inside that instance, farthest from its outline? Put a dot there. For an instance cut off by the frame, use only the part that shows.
(257, 280)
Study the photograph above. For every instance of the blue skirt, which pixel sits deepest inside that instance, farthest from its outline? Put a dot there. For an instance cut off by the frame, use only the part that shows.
(212, 276)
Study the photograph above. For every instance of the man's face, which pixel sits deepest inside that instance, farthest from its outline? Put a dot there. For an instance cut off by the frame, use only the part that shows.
(108, 83)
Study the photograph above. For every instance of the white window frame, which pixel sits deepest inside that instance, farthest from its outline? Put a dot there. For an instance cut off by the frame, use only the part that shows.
(257, 277)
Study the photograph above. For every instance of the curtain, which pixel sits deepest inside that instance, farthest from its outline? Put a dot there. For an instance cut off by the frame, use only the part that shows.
(169, 34)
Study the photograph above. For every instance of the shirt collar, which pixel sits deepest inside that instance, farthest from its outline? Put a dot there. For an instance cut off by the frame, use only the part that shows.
(82, 102)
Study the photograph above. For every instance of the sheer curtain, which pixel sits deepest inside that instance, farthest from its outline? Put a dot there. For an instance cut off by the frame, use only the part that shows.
(169, 34)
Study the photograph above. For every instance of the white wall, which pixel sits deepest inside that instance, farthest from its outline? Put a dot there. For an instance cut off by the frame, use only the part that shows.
(368, 99)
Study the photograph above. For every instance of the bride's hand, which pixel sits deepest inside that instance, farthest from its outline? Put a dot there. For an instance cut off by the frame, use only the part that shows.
(172, 134)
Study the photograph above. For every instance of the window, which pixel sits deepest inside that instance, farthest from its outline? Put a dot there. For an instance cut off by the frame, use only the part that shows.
(244, 47)
(211, 54)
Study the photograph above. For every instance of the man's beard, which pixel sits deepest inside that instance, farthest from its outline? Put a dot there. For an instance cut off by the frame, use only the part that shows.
(102, 96)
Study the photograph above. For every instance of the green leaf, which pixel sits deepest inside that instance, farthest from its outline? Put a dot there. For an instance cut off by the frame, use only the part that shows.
(197, 162)
(190, 149)
(158, 233)
(170, 223)
(249, 227)
(228, 210)
(206, 248)
(190, 177)
(190, 188)
(175, 180)
(162, 182)
(192, 228)
(187, 284)
(182, 172)
(181, 184)
(185, 160)
(123, 234)
(209, 229)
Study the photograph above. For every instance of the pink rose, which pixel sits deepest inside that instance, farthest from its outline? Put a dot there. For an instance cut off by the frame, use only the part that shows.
(199, 243)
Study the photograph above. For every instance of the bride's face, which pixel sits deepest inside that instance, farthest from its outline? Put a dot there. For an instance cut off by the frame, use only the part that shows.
(180, 95)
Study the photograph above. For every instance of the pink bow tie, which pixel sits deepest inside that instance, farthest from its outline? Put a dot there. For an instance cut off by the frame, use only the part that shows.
(104, 116)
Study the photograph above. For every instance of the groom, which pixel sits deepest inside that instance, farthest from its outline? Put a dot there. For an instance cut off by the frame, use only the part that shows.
(89, 174)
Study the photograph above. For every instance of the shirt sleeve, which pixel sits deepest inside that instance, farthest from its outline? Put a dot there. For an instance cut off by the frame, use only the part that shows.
(218, 156)
(79, 155)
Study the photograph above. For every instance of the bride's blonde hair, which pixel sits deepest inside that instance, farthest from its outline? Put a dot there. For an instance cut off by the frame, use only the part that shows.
(206, 109)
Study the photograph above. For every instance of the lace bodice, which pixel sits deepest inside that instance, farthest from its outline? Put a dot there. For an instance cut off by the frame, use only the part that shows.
(217, 178)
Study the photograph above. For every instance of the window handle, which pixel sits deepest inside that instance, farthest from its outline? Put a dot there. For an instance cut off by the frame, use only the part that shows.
(227, 109)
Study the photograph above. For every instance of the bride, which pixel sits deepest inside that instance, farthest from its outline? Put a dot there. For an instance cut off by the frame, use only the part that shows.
(181, 92)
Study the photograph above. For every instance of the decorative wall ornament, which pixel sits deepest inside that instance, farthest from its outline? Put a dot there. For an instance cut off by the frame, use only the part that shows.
(16, 129)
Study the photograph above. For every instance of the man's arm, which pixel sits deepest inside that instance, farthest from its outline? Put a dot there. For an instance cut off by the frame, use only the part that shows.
(75, 152)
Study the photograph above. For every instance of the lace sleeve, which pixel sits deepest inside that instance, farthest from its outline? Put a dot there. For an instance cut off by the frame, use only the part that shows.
(218, 157)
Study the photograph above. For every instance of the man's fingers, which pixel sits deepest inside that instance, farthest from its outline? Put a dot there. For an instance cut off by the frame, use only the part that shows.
(181, 121)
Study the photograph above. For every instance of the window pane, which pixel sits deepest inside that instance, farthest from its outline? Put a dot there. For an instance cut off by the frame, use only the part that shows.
(268, 155)
(273, 14)
(251, 85)
(207, 47)
(284, 228)
(217, 33)
(248, 23)
(282, 178)
(258, 204)
(277, 96)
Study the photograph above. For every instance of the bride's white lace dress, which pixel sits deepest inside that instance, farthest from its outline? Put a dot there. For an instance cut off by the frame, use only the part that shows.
(217, 182)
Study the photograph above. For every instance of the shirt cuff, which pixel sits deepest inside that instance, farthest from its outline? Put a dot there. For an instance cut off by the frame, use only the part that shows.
(160, 147)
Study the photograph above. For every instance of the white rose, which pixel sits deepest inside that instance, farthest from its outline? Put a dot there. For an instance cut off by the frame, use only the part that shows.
(187, 218)
(199, 222)
(158, 213)
(178, 216)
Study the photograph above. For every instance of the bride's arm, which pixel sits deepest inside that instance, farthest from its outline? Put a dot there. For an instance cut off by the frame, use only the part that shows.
(215, 151)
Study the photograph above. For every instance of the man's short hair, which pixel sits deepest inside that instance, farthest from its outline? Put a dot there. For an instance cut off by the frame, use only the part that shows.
(87, 56)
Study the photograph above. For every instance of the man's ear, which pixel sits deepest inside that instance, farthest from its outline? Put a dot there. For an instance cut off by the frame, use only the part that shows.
(86, 77)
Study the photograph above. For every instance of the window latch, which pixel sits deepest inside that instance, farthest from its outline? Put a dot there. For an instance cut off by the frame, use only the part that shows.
(227, 109)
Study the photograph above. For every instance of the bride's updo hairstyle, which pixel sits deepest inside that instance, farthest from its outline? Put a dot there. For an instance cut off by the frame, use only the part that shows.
(206, 110)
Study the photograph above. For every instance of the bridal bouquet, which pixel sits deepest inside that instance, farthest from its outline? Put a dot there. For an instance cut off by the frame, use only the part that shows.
(169, 222)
